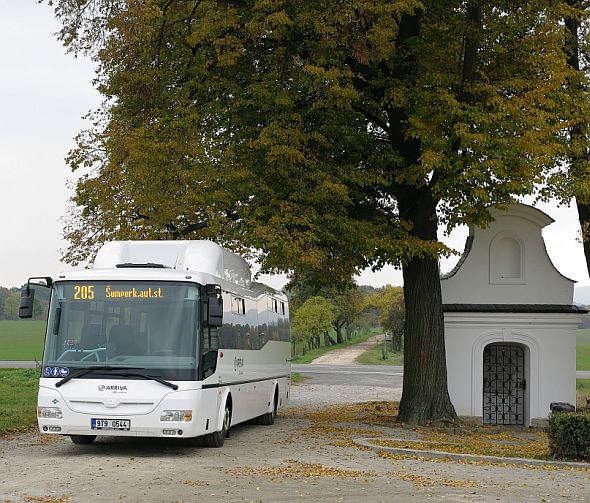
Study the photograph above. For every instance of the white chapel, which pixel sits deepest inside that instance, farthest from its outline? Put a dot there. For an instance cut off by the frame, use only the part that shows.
(510, 323)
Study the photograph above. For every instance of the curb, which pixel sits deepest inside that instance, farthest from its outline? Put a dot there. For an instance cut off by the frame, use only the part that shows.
(18, 364)
(367, 442)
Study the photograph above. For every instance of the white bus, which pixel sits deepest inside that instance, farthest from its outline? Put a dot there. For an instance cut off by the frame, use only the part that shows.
(161, 339)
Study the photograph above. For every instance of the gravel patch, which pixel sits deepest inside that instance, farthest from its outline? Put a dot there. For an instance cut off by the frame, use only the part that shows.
(321, 395)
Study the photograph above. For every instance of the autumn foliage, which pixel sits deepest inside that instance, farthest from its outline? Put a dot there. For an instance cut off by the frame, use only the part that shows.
(320, 137)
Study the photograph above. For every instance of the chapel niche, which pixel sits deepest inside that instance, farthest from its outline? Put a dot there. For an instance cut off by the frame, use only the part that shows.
(506, 260)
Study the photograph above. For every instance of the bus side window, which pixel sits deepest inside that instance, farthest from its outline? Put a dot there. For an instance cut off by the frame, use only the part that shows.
(209, 362)
(239, 305)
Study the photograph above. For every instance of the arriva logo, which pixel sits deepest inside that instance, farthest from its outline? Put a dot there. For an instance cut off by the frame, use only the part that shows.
(114, 388)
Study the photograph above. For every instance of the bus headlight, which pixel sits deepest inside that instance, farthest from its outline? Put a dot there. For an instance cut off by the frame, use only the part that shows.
(184, 416)
(49, 412)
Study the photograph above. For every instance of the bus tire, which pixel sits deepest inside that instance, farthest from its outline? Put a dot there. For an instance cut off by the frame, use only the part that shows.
(217, 438)
(269, 418)
(83, 439)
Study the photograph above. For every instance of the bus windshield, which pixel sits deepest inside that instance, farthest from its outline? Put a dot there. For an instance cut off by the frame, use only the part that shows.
(139, 324)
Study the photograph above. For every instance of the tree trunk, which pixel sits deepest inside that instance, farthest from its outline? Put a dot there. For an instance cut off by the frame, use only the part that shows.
(396, 341)
(425, 394)
(338, 329)
(328, 340)
(584, 217)
(578, 151)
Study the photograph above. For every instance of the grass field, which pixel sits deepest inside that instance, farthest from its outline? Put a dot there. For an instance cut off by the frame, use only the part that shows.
(18, 399)
(21, 340)
(374, 356)
(583, 350)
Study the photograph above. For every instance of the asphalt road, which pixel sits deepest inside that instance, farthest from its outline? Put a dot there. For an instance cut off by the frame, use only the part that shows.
(356, 375)
(366, 375)
(10, 364)
(361, 375)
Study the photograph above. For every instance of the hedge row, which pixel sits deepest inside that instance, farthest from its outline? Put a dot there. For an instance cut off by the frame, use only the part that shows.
(569, 435)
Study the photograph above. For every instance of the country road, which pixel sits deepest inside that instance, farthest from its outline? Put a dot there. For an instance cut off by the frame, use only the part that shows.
(348, 355)
(357, 375)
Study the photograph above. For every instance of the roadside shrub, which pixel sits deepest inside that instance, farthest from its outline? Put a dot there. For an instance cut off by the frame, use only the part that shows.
(569, 435)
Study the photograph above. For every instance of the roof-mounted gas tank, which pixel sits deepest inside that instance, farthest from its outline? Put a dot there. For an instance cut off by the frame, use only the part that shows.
(198, 256)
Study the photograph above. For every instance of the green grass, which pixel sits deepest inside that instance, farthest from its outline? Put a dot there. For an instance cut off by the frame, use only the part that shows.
(21, 340)
(583, 349)
(312, 354)
(18, 399)
(374, 356)
(297, 378)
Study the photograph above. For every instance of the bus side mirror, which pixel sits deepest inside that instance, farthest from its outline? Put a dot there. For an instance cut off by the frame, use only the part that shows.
(214, 306)
(27, 296)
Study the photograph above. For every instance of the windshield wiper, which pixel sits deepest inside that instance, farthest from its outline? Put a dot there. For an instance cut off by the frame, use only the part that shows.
(119, 371)
(147, 376)
(83, 372)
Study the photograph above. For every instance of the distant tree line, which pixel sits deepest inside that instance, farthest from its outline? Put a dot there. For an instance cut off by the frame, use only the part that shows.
(10, 301)
(324, 317)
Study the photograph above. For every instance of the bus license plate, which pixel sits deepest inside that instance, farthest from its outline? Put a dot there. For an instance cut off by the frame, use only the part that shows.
(110, 424)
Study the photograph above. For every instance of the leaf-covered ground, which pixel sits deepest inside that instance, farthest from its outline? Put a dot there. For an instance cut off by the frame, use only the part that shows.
(334, 425)
(307, 455)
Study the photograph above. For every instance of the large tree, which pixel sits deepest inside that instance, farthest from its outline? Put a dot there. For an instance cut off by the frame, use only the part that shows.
(328, 136)
(574, 181)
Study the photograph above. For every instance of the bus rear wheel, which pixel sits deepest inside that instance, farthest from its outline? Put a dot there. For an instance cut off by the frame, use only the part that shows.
(83, 439)
(217, 438)
(269, 417)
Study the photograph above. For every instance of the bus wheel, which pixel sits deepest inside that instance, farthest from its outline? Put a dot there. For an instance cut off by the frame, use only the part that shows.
(83, 439)
(269, 417)
(217, 438)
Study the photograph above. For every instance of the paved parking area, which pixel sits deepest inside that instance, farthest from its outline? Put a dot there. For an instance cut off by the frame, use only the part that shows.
(293, 460)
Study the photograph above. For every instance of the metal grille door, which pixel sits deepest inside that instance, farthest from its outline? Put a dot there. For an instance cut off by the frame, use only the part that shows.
(503, 384)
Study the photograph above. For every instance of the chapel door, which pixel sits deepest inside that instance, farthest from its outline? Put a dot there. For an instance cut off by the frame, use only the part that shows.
(504, 384)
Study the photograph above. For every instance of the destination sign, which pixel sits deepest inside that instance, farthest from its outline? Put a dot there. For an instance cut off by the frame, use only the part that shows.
(106, 291)
(134, 293)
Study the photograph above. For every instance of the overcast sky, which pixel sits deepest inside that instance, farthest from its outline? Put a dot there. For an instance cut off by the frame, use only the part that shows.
(44, 93)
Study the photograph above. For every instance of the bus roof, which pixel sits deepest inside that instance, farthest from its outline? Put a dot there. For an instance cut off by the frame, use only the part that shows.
(195, 256)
